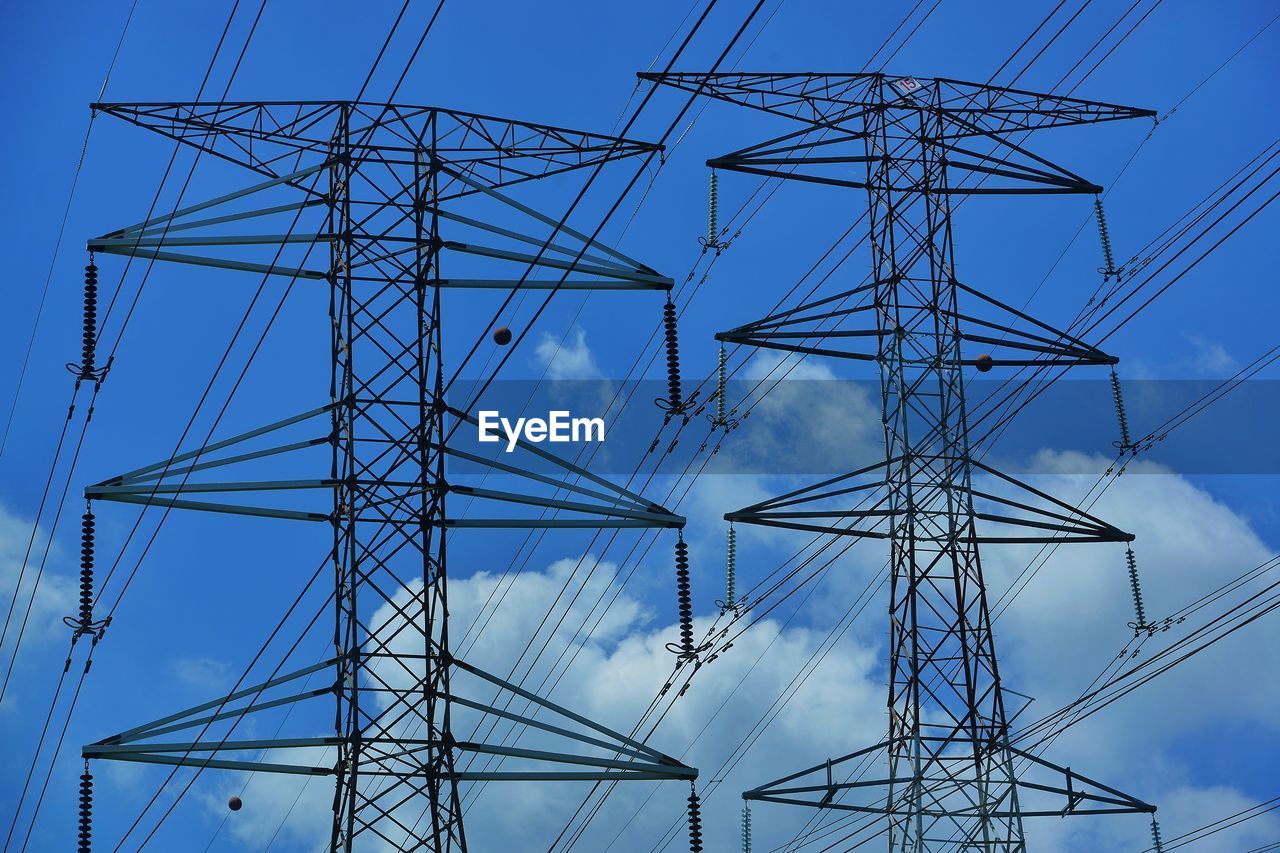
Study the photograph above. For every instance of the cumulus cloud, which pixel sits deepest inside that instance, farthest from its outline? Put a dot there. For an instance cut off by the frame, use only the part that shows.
(203, 672)
(1068, 622)
(617, 670)
(49, 595)
(1072, 619)
(567, 358)
(808, 421)
(1209, 358)
(1073, 616)
(1203, 358)
(285, 812)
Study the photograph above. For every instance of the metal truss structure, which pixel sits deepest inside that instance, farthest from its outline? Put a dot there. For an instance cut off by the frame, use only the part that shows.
(396, 197)
(952, 779)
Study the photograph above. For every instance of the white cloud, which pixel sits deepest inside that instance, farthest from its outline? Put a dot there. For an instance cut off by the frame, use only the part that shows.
(809, 421)
(1186, 808)
(1203, 358)
(1068, 623)
(616, 672)
(53, 598)
(202, 672)
(1209, 358)
(1183, 808)
(568, 358)
(288, 812)
(1073, 617)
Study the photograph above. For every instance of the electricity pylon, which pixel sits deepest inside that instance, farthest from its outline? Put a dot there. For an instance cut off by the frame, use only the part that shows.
(394, 195)
(954, 780)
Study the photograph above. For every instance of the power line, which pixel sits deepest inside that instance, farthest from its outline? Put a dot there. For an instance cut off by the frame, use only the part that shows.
(228, 351)
(62, 228)
(637, 545)
(84, 428)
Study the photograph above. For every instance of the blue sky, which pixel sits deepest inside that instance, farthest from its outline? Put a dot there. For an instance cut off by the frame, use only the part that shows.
(210, 587)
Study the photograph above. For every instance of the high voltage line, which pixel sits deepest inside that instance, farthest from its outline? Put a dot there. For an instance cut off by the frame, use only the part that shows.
(178, 146)
(1023, 45)
(361, 241)
(446, 824)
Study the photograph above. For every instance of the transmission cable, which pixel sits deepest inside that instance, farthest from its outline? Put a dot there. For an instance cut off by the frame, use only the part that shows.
(35, 585)
(246, 317)
(62, 227)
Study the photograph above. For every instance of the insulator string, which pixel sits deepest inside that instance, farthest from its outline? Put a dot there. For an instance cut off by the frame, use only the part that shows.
(86, 566)
(87, 369)
(721, 417)
(746, 828)
(1125, 444)
(720, 376)
(1156, 840)
(674, 403)
(712, 240)
(695, 820)
(685, 649)
(83, 622)
(713, 203)
(89, 344)
(730, 571)
(731, 555)
(1136, 587)
(685, 597)
(1104, 235)
(84, 834)
(674, 392)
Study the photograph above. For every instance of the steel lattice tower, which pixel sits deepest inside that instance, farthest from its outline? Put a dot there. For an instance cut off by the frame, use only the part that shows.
(954, 781)
(399, 197)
